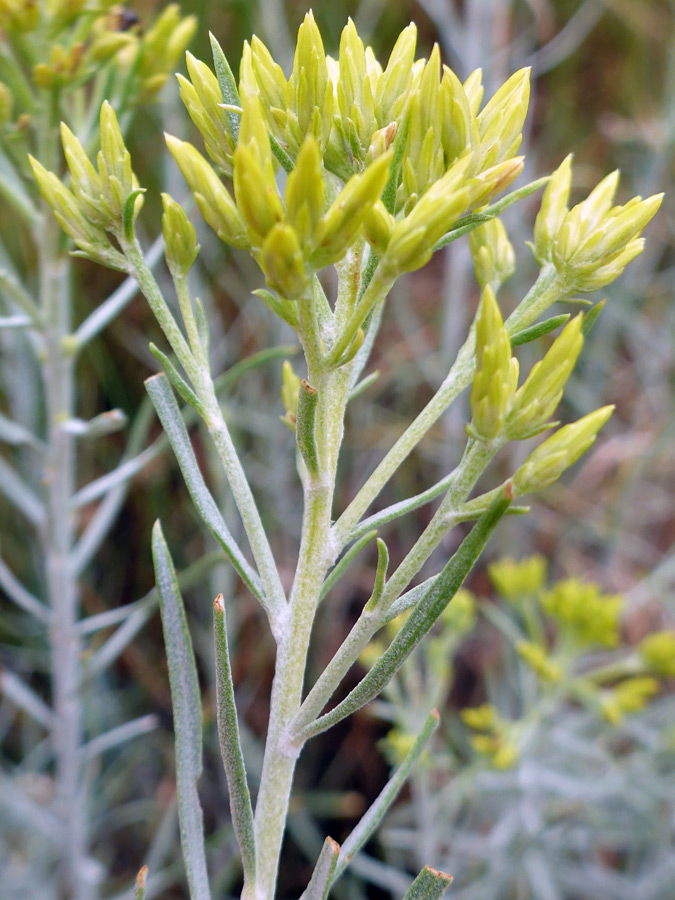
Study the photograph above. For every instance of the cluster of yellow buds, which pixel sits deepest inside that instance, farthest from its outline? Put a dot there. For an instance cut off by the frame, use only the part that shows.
(102, 31)
(629, 696)
(584, 613)
(590, 244)
(101, 199)
(657, 652)
(492, 252)
(539, 660)
(515, 579)
(501, 411)
(494, 737)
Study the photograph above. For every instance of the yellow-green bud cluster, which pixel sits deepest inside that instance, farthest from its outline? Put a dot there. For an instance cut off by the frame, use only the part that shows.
(498, 410)
(293, 238)
(657, 651)
(630, 696)
(204, 102)
(301, 106)
(590, 244)
(519, 579)
(556, 454)
(98, 201)
(180, 241)
(496, 376)
(494, 739)
(537, 659)
(493, 257)
(584, 613)
(161, 47)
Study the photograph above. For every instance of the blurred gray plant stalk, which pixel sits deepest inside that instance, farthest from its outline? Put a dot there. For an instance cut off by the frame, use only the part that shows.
(59, 60)
(383, 167)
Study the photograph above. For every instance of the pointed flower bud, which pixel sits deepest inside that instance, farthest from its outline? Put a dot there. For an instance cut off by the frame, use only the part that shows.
(537, 399)
(342, 222)
(492, 252)
(630, 696)
(114, 165)
(282, 261)
(394, 82)
(553, 210)
(591, 244)
(304, 191)
(496, 375)
(212, 197)
(85, 180)
(180, 240)
(414, 237)
(203, 100)
(88, 237)
(486, 184)
(473, 88)
(560, 451)
(379, 226)
(500, 123)
(255, 185)
(309, 93)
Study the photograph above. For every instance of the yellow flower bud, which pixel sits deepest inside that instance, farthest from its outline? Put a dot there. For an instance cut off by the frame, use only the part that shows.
(394, 82)
(342, 222)
(541, 393)
(630, 696)
(379, 226)
(500, 123)
(518, 579)
(180, 240)
(552, 211)
(558, 452)
(86, 182)
(213, 199)
(492, 252)
(473, 88)
(114, 164)
(304, 191)
(658, 652)
(535, 656)
(203, 101)
(282, 262)
(415, 236)
(480, 718)
(496, 375)
(584, 613)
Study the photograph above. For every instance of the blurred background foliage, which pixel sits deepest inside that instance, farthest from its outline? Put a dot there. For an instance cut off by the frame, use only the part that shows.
(604, 88)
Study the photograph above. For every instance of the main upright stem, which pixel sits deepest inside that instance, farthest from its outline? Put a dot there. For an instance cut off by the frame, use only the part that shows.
(61, 584)
(316, 555)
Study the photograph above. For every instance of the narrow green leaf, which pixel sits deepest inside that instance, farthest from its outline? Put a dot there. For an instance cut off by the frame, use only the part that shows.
(363, 385)
(284, 309)
(283, 158)
(128, 212)
(380, 574)
(227, 84)
(305, 425)
(187, 716)
(174, 427)
(322, 876)
(372, 818)
(343, 564)
(185, 391)
(591, 316)
(420, 620)
(230, 747)
(538, 330)
(430, 884)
